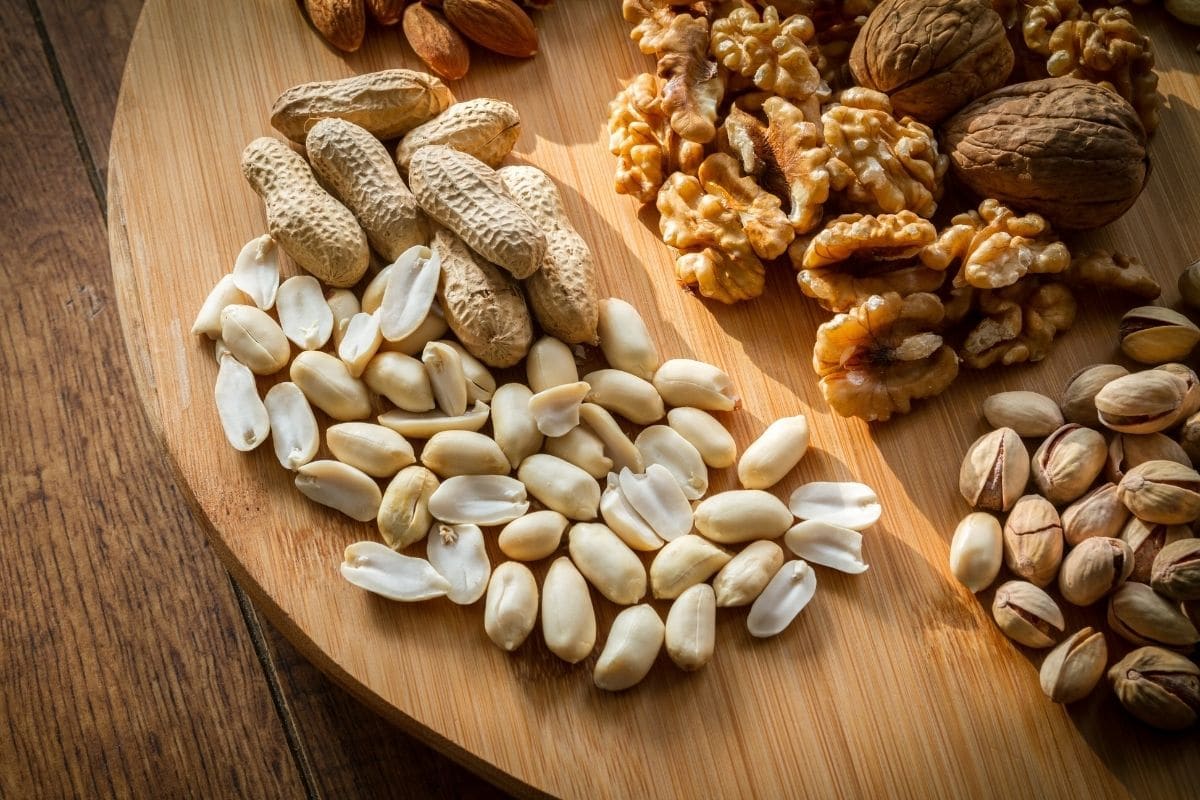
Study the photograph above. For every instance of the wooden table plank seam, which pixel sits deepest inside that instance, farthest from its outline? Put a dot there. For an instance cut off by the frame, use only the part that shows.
(64, 96)
(249, 618)
(271, 674)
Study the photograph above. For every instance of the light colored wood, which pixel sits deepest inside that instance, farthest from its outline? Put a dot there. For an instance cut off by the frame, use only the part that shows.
(892, 683)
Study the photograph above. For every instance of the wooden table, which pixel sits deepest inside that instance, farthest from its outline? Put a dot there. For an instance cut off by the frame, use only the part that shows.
(130, 664)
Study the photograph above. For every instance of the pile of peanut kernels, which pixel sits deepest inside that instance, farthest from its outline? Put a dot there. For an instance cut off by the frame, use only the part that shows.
(378, 347)
(1114, 486)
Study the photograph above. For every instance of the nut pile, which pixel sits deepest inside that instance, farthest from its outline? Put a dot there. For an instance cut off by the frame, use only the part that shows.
(606, 472)
(754, 142)
(435, 29)
(1104, 510)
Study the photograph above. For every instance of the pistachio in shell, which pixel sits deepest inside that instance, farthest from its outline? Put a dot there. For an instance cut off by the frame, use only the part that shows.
(1159, 687)
(1162, 491)
(1157, 335)
(1072, 670)
(1176, 570)
(1079, 395)
(1145, 402)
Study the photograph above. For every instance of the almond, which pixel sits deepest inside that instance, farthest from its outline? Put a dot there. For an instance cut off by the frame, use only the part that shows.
(386, 12)
(436, 42)
(498, 25)
(342, 22)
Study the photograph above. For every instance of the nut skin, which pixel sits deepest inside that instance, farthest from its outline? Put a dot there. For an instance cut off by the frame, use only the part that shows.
(1145, 402)
(499, 25)
(1094, 568)
(932, 57)
(1176, 570)
(1146, 540)
(343, 23)
(1156, 335)
(1026, 614)
(994, 471)
(1140, 615)
(1162, 491)
(1030, 414)
(1100, 512)
(1033, 540)
(436, 41)
(1064, 148)
(1079, 395)
(1068, 462)
(976, 551)
(1072, 670)
(1159, 687)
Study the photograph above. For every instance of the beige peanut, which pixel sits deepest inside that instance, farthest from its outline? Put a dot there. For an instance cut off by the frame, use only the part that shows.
(318, 232)
(359, 172)
(388, 103)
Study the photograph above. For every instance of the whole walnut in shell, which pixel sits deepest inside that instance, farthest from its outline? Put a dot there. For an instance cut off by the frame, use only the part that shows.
(1067, 149)
(932, 57)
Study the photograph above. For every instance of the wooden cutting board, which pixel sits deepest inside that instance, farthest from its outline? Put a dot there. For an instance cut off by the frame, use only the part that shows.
(895, 682)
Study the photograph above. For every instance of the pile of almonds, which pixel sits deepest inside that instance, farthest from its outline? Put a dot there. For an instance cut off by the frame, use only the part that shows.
(1113, 498)
(452, 465)
(433, 28)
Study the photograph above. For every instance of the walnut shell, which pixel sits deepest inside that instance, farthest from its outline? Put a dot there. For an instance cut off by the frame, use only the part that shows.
(1067, 149)
(932, 57)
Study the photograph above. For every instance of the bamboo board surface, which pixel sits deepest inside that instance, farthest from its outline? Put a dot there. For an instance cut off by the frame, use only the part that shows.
(895, 682)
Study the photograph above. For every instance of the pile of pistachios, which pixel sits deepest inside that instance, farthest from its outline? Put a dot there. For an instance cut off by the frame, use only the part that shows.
(1103, 511)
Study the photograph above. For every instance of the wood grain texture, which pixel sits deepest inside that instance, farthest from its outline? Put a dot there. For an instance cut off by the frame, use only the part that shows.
(341, 748)
(895, 682)
(124, 667)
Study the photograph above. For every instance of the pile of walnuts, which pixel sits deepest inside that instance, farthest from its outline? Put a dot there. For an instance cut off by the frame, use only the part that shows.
(809, 129)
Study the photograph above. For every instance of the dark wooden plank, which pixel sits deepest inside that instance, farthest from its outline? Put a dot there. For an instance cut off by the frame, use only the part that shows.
(344, 748)
(125, 669)
(354, 752)
(90, 40)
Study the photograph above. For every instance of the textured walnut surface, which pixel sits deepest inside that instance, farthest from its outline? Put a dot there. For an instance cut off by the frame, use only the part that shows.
(1065, 148)
(881, 355)
(934, 57)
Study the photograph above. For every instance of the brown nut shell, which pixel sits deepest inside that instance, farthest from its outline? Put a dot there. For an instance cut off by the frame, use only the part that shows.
(1067, 149)
(1145, 402)
(1067, 463)
(994, 471)
(1100, 512)
(1158, 687)
(1157, 335)
(1027, 615)
(1072, 670)
(1094, 568)
(1079, 395)
(1146, 540)
(933, 57)
(1030, 414)
(1176, 570)
(1140, 615)
(1033, 540)
(1162, 491)
(1128, 450)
